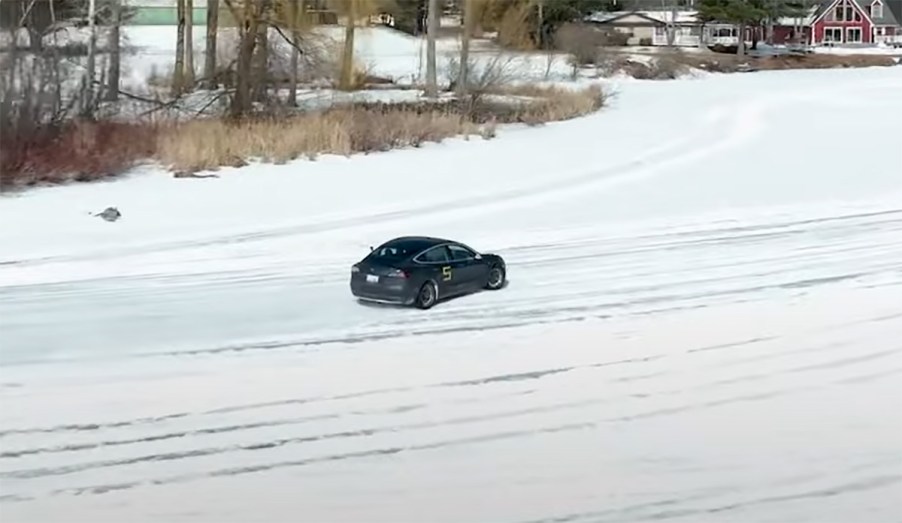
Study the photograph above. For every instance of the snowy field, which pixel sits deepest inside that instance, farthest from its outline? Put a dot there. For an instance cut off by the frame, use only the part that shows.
(703, 324)
(150, 51)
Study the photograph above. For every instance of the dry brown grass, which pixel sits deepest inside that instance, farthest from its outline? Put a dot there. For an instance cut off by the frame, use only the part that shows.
(209, 144)
(555, 104)
(95, 150)
(729, 63)
(824, 61)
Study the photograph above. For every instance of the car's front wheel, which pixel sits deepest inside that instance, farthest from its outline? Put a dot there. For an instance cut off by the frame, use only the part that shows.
(427, 296)
(496, 278)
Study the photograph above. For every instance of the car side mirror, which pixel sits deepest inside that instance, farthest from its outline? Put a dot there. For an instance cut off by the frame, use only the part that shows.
(371, 248)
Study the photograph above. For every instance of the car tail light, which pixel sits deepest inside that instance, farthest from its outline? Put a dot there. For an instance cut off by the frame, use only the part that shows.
(398, 273)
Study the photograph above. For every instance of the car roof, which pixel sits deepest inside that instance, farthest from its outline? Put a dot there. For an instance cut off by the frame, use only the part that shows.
(422, 242)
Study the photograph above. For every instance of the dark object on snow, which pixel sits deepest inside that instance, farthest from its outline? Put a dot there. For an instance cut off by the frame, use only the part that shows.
(110, 214)
(420, 271)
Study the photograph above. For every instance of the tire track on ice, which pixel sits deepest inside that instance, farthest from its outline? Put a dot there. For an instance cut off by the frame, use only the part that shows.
(394, 450)
(581, 177)
(828, 363)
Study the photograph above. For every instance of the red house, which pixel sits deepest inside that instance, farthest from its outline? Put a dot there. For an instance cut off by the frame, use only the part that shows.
(855, 22)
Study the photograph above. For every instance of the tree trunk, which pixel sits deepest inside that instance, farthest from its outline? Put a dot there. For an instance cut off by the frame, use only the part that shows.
(702, 43)
(769, 32)
(346, 79)
(671, 31)
(540, 36)
(189, 44)
(740, 47)
(112, 90)
(241, 102)
(261, 74)
(178, 75)
(210, 53)
(463, 80)
(88, 104)
(431, 30)
(295, 19)
(35, 40)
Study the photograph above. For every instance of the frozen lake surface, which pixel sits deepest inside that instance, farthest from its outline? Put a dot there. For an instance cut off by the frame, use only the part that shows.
(703, 324)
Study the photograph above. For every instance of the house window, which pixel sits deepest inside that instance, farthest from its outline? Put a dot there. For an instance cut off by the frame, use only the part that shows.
(876, 10)
(844, 12)
(833, 34)
(723, 32)
(853, 35)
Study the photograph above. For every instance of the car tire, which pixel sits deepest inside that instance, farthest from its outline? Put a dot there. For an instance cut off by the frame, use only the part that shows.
(496, 278)
(426, 296)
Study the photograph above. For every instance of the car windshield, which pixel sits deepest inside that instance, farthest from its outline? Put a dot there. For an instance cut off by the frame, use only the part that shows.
(398, 250)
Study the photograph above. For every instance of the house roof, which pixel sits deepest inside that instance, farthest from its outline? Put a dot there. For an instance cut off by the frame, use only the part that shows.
(887, 17)
(652, 17)
(892, 13)
(613, 17)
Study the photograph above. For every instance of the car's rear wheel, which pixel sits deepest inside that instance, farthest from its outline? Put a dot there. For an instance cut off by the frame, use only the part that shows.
(427, 295)
(496, 278)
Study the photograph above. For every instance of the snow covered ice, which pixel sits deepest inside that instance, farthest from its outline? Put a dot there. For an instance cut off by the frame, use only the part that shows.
(703, 324)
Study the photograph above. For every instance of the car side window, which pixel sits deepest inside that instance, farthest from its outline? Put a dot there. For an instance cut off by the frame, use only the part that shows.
(435, 255)
(459, 253)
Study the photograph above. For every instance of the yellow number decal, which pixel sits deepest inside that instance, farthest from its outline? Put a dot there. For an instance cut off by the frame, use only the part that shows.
(446, 272)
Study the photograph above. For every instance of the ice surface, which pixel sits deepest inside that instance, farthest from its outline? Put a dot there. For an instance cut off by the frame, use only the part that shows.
(703, 324)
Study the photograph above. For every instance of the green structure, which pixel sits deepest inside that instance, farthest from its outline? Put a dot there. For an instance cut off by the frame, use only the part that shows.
(163, 16)
(164, 12)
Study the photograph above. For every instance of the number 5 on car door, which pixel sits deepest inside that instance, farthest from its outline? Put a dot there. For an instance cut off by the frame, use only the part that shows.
(446, 273)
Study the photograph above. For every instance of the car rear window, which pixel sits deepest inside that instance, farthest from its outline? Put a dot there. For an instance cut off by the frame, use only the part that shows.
(399, 250)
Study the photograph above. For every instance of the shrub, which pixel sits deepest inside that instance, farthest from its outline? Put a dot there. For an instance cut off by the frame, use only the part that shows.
(79, 151)
(581, 41)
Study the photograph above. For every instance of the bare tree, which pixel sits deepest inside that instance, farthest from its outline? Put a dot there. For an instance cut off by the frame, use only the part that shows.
(431, 30)
(345, 79)
(261, 66)
(297, 16)
(35, 101)
(112, 90)
(88, 100)
(465, 47)
(493, 74)
(249, 16)
(178, 75)
(540, 24)
(189, 43)
(210, 54)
